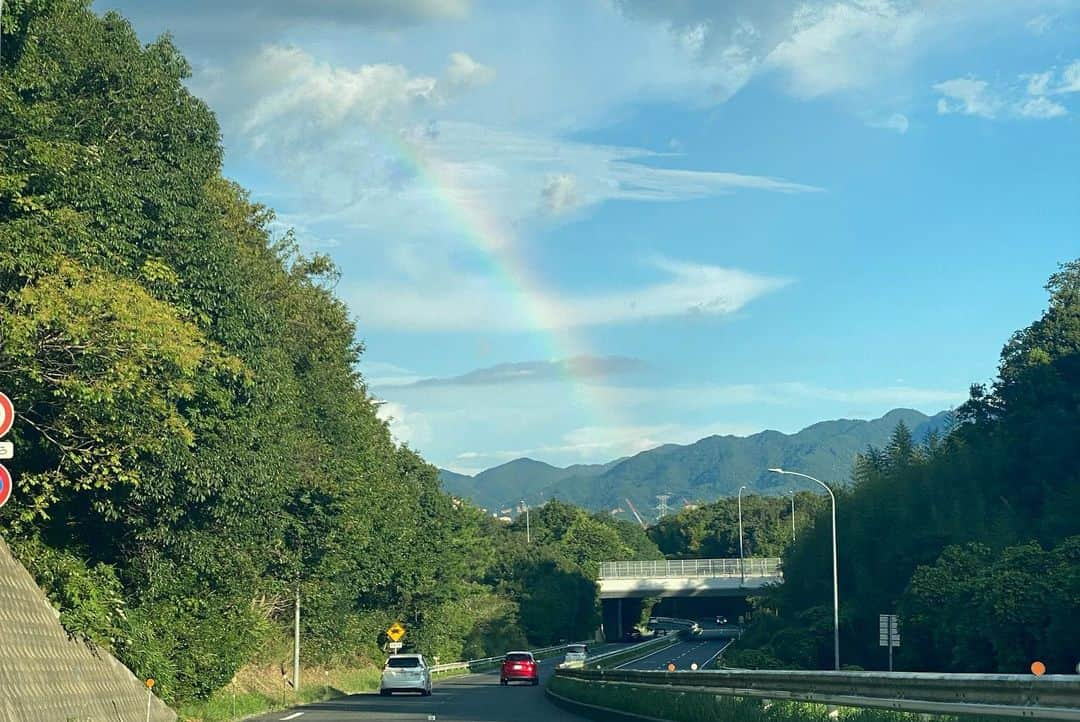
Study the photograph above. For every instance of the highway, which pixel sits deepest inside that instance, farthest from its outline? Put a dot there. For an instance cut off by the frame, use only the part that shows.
(468, 698)
(683, 654)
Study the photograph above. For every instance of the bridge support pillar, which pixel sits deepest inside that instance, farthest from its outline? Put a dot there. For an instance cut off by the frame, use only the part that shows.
(619, 616)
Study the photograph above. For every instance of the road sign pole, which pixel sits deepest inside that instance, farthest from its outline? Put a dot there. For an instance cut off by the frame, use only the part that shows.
(296, 643)
(890, 645)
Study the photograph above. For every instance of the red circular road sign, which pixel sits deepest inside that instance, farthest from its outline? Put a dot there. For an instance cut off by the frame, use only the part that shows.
(7, 414)
(5, 485)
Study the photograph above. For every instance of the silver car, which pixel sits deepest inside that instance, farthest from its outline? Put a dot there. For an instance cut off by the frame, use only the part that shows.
(576, 653)
(406, 673)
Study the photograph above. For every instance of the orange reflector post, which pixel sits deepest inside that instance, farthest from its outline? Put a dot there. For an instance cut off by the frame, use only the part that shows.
(671, 666)
(1038, 668)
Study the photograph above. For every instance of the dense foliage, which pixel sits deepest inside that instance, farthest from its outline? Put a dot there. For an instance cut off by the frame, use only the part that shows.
(972, 537)
(194, 442)
(712, 531)
(552, 579)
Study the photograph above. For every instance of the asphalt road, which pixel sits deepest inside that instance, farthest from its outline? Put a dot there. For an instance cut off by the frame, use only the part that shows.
(469, 698)
(683, 654)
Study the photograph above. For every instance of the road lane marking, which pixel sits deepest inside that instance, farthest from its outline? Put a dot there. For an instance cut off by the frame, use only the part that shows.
(294, 715)
(730, 642)
(665, 650)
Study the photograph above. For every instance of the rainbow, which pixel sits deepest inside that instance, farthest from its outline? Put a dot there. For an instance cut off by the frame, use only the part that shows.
(502, 253)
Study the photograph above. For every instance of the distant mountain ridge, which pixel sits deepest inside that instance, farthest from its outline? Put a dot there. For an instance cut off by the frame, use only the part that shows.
(703, 471)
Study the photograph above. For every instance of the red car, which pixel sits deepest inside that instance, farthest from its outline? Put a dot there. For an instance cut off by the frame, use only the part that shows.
(519, 667)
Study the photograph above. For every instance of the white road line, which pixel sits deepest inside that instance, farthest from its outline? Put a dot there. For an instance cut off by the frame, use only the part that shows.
(642, 659)
(730, 642)
(294, 715)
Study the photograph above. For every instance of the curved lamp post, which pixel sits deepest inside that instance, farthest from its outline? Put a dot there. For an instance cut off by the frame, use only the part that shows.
(835, 585)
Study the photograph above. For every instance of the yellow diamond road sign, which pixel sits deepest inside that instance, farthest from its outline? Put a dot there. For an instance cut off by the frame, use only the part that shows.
(396, 631)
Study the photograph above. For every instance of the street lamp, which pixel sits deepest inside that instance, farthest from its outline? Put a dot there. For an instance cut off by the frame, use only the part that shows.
(742, 573)
(835, 584)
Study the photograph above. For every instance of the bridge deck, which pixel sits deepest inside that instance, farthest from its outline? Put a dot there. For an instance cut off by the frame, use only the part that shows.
(687, 577)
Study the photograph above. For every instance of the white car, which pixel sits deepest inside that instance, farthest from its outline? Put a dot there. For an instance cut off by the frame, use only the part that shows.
(576, 653)
(406, 673)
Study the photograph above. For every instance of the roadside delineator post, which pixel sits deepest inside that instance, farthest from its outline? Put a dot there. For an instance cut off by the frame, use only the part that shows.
(149, 696)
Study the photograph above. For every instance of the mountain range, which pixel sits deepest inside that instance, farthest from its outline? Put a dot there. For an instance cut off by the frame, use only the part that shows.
(703, 471)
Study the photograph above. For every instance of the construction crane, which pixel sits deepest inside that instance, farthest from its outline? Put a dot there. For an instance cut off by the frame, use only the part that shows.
(636, 515)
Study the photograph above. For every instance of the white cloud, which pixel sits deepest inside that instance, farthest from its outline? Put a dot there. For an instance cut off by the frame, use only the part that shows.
(1039, 24)
(463, 71)
(967, 96)
(379, 374)
(576, 367)
(845, 45)
(560, 194)
(1038, 83)
(363, 148)
(897, 122)
(406, 426)
(1029, 97)
(1041, 107)
(596, 443)
(480, 303)
(283, 97)
(1070, 79)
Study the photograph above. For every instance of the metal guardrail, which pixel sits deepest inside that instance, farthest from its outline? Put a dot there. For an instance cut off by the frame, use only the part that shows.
(1049, 697)
(667, 568)
(486, 662)
(689, 624)
(630, 653)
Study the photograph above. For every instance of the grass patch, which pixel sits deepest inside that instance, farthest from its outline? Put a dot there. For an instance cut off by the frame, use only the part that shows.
(680, 706)
(257, 690)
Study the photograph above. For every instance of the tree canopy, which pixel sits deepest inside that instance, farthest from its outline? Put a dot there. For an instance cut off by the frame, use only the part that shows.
(195, 442)
(970, 537)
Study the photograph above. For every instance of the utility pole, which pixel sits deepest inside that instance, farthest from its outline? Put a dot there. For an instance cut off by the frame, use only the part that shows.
(528, 524)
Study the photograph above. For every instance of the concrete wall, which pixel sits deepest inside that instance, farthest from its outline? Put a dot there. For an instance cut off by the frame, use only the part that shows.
(47, 677)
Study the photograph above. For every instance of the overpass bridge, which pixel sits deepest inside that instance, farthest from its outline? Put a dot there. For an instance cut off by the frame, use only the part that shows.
(623, 585)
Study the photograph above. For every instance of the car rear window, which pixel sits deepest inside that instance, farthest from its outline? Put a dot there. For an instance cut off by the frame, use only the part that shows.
(403, 662)
(577, 648)
(519, 658)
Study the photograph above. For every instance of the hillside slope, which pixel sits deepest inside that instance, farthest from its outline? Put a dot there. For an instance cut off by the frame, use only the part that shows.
(710, 468)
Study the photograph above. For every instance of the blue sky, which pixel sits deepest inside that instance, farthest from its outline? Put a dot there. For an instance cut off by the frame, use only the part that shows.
(732, 216)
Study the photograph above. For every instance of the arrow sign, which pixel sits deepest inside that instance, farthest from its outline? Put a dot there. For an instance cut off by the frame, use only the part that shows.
(5, 485)
(7, 414)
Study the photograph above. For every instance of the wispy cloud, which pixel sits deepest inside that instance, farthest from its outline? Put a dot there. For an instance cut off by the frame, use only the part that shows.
(482, 425)
(591, 443)
(378, 146)
(897, 122)
(578, 367)
(478, 302)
